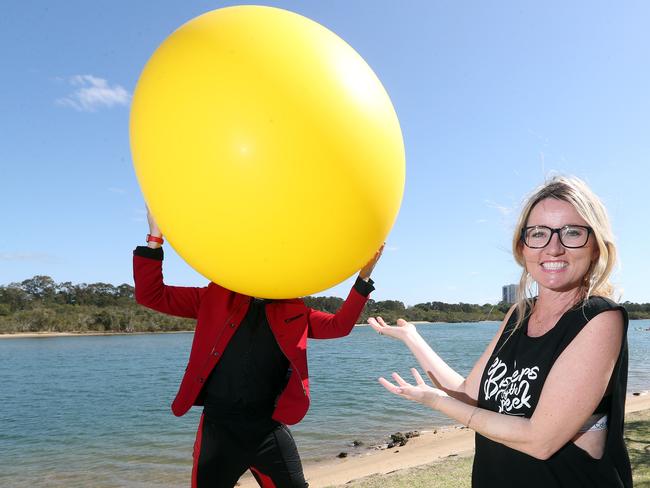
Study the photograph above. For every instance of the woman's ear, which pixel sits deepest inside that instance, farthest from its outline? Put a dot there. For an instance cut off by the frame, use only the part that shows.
(595, 254)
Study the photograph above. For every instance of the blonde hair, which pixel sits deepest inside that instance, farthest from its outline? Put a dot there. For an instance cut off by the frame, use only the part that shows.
(575, 192)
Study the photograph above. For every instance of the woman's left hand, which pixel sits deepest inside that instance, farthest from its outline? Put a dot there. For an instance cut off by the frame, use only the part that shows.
(420, 392)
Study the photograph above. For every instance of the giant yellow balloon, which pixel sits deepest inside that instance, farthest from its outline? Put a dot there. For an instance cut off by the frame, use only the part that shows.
(268, 151)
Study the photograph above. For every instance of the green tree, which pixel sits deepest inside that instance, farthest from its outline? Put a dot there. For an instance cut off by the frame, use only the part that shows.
(42, 287)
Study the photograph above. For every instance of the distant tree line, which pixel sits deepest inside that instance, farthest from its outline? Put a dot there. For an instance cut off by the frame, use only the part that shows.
(637, 311)
(391, 310)
(39, 304)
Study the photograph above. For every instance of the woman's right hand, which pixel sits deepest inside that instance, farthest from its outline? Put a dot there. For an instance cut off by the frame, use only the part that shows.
(400, 331)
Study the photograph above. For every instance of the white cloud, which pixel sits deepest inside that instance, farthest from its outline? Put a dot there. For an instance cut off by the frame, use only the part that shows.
(25, 256)
(116, 190)
(92, 93)
(541, 138)
(503, 210)
(140, 215)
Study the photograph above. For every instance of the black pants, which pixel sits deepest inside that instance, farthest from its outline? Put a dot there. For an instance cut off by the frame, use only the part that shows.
(224, 451)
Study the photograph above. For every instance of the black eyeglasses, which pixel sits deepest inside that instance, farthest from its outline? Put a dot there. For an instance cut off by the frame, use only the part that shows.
(571, 236)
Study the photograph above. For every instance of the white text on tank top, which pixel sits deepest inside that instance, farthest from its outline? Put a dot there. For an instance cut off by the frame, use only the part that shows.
(510, 389)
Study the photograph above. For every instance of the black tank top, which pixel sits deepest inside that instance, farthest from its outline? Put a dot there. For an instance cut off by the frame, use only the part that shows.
(512, 383)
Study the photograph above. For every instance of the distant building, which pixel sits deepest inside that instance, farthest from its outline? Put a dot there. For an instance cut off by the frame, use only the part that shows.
(509, 293)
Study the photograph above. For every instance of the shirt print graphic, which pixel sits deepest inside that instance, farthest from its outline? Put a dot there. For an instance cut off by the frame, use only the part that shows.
(509, 389)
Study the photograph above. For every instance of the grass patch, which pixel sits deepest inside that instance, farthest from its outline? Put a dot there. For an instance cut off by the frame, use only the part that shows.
(456, 472)
(637, 438)
(452, 472)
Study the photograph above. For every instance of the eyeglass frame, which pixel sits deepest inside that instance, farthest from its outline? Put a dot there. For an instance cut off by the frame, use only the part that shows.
(559, 235)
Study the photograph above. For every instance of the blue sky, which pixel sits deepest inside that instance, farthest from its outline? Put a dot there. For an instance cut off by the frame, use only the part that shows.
(492, 98)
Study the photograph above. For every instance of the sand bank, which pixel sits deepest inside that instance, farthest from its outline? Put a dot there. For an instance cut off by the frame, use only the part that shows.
(44, 335)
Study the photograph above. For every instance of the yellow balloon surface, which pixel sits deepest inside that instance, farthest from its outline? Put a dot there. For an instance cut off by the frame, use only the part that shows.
(267, 150)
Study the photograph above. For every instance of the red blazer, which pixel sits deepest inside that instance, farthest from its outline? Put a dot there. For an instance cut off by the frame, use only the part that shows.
(220, 311)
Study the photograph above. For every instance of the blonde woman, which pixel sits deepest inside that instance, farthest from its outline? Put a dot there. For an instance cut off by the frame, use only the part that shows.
(546, 398)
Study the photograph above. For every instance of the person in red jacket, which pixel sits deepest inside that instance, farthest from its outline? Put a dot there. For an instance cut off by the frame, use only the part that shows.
(247, 368)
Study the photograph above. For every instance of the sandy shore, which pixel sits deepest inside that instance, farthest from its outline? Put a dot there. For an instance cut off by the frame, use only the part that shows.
(31, 335)
(430, 446)
(44, 335)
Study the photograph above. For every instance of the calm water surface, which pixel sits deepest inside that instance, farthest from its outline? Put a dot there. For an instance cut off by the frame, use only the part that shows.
(94, 411)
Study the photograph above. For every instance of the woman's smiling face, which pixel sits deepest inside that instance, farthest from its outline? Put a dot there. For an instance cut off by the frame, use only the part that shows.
(554, 266)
